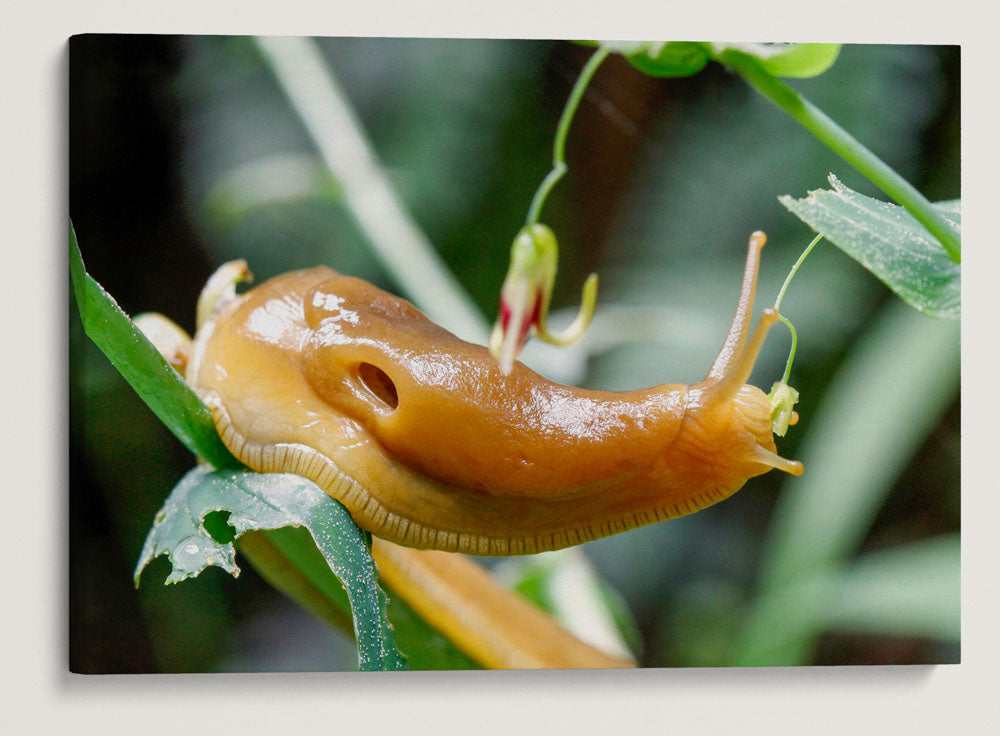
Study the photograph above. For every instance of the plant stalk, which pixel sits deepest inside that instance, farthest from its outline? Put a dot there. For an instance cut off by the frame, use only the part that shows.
(777, 306)
(847, 147)
(559, 167)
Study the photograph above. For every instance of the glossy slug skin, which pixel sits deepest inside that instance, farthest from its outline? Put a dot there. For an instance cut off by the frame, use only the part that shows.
(430, 445)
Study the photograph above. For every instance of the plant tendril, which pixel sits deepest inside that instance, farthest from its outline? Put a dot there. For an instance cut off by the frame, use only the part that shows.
(559, 166)
(777, 305)
(791, 353)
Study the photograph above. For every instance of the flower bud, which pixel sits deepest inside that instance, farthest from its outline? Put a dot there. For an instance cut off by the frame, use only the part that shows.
(526, 293)
(783, 398)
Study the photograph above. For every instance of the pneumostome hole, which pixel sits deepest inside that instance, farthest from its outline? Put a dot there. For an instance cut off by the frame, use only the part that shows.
(376, 381)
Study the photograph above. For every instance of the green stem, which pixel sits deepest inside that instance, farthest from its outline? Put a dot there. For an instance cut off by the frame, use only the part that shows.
(777, 306)
(847, 147)
(559, 166)
(791, 353)
(795, 269)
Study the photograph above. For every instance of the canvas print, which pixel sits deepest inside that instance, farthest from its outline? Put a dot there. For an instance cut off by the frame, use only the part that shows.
(445, 354)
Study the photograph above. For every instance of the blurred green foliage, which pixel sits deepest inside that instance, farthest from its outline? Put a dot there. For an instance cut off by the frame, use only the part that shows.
(667, 179)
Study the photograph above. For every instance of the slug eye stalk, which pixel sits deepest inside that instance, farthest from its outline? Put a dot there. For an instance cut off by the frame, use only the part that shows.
(737, 334)
(732, 367)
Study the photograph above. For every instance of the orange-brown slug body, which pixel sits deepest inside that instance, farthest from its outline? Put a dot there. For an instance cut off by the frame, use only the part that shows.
(428, 444)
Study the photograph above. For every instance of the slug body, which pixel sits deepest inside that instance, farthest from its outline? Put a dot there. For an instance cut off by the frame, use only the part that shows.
(428, 444)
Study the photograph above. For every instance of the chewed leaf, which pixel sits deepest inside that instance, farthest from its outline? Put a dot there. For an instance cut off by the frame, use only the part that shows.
(258, 502)
(889, 242)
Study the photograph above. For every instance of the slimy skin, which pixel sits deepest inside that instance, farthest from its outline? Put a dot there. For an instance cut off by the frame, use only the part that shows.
(428, 444)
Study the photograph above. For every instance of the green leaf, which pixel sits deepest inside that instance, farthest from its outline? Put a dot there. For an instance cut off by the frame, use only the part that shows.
(157, 383)
(787, 59)
(289, 560)
(424, 646)
(684, 58)
(662, 58)
(889, 242)
(257, 502)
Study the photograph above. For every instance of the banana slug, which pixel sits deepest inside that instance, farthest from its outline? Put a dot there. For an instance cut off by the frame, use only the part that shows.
(428, 444)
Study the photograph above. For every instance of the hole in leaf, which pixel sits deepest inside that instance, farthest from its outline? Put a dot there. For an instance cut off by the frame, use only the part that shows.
(217, 524)
(376, 381)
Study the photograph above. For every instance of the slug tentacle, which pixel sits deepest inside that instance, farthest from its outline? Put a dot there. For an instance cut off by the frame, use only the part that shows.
(744, 309)
(773, 460)
(738, 369)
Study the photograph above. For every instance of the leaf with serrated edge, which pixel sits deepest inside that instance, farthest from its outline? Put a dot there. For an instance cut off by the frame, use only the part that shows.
(258, 501)
(889, 242)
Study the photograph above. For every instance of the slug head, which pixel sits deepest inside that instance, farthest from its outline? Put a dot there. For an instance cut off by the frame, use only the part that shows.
(730, 439)
(739, 414)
